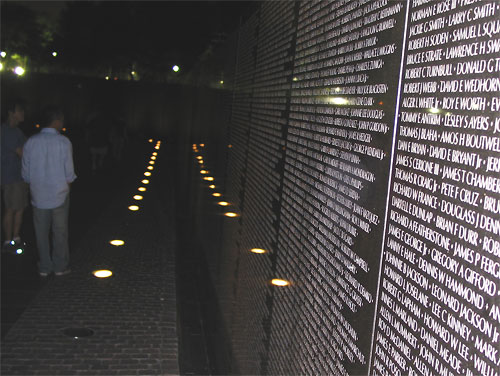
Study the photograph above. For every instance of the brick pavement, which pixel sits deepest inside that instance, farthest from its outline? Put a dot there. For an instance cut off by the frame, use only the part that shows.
(133, 314)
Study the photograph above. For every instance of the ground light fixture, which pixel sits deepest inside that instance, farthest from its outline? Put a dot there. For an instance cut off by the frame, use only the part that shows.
(150, 167)
(145, 181)
(279, 282)
(103, 273)
(258, 250)
(133, 208)
(203, 172)
(208, 178)
(147, 173)
(150, 140)
(230, 214)
(151, 162)
(153, 158)
(138, 197)
(211, 186)
(199, 157)
(216, 194)
(117, 242)
(155, 153)
(223, 203)
(141, 189)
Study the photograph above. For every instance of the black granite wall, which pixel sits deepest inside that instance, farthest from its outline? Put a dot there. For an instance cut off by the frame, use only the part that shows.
(363, 155)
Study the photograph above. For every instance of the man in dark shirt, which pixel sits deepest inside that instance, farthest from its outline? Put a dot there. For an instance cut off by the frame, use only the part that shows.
(14, 189)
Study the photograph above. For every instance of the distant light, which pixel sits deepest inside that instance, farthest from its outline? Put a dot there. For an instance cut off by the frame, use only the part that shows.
(221, 82)
(279, 282)
(176, 68)
(212, 186)
(64, 129)
(147, 173)
(229, 146)
(133, 208)
(150, 167)
(107, 78)
(202, 145)
(155, 153)
(295, 79)
(19, 251)
(37, 125)
(138, 197)
(3, 54)
(152, 162)
(116, 78)
(150, 140)
(434, 110)
(117, 242)
(157, 147)
(200, 161)
(1, 66)
(54, 53)
(132, 73)
(208, 178)
(203, 172)
(223, 203)
(258, 250)
(145, 181)
(230, 214)
(19, 71)
(199, 157)
(141, 189)
(103, 273)
(216, 194)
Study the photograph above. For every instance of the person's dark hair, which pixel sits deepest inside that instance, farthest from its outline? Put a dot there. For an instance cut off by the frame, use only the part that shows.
(49, 114)
(11, 105)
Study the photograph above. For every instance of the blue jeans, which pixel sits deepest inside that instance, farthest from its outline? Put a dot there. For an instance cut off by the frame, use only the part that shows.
(57, 219)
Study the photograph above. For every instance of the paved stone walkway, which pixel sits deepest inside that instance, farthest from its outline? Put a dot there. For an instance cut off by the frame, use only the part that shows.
(132, 314)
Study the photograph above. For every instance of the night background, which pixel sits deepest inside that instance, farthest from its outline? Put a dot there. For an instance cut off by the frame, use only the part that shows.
(131, 40)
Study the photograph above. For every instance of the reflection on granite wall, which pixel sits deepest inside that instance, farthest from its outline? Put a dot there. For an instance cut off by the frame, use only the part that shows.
(364, 159)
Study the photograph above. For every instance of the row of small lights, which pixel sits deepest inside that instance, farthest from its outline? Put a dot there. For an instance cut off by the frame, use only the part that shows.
(275, 281)
(134, 208)
(18, 70)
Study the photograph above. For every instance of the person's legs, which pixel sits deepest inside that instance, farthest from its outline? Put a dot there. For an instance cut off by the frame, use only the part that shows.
(18, 221)
(60, 253)
(7, 221)
(42, 221)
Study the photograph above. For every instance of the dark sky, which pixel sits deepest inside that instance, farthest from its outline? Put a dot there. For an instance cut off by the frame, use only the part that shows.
(183, 25)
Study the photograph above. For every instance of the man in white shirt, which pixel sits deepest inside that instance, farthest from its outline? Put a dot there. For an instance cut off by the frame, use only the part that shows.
(47, 166)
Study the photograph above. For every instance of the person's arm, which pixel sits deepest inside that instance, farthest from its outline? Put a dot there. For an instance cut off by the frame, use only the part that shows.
(69, 170)
(25, 166)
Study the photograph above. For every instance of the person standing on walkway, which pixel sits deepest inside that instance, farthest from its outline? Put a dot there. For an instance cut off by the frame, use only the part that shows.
(47, 166)
(14, 189)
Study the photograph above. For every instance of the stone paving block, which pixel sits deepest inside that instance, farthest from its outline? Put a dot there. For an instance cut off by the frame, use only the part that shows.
(133, 314)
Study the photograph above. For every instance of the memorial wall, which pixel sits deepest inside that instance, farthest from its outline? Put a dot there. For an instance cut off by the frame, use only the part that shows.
(364, 159)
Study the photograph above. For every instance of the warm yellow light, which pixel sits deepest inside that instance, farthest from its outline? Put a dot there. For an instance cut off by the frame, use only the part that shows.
(223, 203)
(150, 167)
(230, 214)
(209, 178)
(141, 189)
(202, 145)
(338, 100)
(199, 157)
(194, 145)
(64, 129)
(157, 147)
(258, 250)
(133, 207)
(216, 194)
(37, 125)
(147, 173)
(295, 79)
(19, 71)
(200, 161)
(211, 186)
(229, 146)
(117, 242)
(145, 181)
(150, 140)
(221, 82)
(155, 153)
(1, 66)
(203, 172)
(151, 162)
(434, 110)
(103, 273)
(279, 282)
(153, 158)
(138, 197)
(107, 78)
